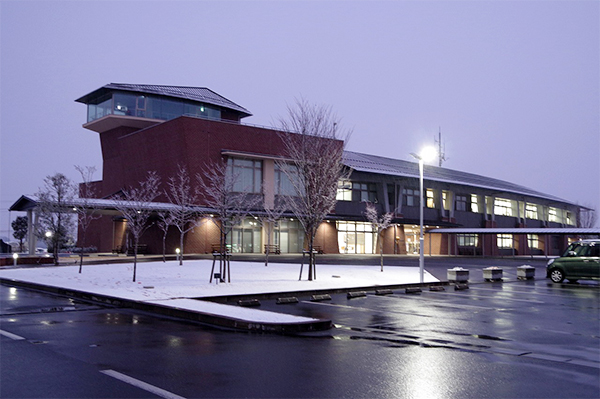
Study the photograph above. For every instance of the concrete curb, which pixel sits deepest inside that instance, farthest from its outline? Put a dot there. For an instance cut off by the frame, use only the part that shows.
(213, 320)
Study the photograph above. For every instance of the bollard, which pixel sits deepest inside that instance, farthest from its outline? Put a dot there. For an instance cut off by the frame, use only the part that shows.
(525, 272)
(458, 275)
(492, 274)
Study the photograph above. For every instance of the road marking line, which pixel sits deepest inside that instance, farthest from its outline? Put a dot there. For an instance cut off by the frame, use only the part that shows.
(141, 384)
(11, 335)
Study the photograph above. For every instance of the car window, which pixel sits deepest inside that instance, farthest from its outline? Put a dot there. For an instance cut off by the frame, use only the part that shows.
(581, 250)
(594, 250)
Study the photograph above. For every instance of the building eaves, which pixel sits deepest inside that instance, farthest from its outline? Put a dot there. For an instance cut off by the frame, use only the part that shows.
(396, 167)
(518, 230)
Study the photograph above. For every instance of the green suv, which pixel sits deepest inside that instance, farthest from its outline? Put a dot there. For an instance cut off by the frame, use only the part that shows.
(581, 260)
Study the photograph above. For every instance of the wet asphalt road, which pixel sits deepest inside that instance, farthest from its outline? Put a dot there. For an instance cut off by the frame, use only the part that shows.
(517, 339)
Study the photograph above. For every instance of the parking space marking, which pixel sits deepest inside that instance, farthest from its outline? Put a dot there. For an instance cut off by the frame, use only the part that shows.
(141, 384)
(11, 335)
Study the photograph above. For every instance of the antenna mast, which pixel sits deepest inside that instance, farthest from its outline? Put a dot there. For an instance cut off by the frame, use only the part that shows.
(441, 151)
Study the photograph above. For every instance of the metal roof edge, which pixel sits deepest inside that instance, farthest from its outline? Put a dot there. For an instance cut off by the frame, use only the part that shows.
(517, 230)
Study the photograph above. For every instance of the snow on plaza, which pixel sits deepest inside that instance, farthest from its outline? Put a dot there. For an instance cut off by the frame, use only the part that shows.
(191, 280)
(170, 284)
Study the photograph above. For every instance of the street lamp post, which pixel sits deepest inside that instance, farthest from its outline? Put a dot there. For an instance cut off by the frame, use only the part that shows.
(426, 154)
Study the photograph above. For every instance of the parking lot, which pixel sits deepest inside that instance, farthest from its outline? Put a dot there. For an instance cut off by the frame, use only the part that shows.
(495, 339)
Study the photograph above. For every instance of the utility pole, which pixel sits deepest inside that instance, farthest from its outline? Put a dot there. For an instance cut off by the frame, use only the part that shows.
(441, 151)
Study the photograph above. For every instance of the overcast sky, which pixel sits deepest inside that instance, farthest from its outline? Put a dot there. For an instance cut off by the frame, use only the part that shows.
(513, 85)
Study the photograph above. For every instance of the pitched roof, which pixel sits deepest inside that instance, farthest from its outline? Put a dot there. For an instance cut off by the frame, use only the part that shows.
(200, 94)
(396, 167)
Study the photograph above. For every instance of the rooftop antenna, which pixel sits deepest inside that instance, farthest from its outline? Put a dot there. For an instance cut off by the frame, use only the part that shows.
(441, 151)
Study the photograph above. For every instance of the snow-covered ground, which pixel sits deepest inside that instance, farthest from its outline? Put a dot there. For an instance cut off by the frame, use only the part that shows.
(171, 284)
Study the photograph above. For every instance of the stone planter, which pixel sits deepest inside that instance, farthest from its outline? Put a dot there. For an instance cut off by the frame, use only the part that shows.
(525, 272)
(458, 275)
(492, 274)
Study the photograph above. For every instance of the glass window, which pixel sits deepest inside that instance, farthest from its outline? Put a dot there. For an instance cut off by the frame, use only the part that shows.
(533, 241)
(283, 185)
(467, 240)
(171, 109)
(356, 238)
(410, 197)
(552, 215)
(364, 192)
(504, 240)
(430, 198)
(474, 203)
(502, 207)
(531, 211)
(124, 104)
(461, 202)
(247, 175)
(446, 200)
(344, 191)
(104, 108)
(140, 106)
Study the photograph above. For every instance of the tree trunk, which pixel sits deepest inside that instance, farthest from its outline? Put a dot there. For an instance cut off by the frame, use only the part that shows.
(164, 242)
(311, 259)
(181, 248)
(135, 249)
(380, 249)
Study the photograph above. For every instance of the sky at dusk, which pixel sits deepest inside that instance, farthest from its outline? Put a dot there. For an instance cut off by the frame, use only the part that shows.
(513, 85)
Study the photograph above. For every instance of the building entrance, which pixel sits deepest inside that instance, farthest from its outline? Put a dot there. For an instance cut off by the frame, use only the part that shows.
(356, 238)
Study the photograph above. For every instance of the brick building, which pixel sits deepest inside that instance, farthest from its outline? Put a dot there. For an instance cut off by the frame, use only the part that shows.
(156, 128)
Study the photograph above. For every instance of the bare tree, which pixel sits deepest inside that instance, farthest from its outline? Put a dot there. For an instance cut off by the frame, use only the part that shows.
(218, 184)
(86, 211)
(379, 223)
(164, 222)
(183, 216)
(134, 205)
(56, 222)
(587, 217)
(314, 149)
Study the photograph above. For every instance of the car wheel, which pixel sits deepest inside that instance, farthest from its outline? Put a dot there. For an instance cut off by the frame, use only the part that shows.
(557, 276)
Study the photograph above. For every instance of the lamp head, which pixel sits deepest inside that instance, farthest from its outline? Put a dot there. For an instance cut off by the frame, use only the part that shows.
(428, 154)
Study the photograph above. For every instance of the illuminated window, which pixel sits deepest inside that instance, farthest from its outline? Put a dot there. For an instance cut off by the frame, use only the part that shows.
(569, 219)
(410, 197)
(474, 203)
(552, 215)
(344, 191)
(533, 241)
(461, 202)
(430, 198)
(531, 211)
(359, 192)
(502, 207)
(504, 240)
(446, 200)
